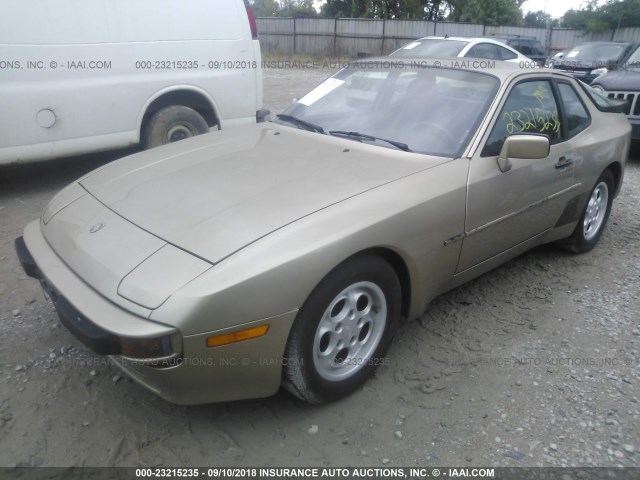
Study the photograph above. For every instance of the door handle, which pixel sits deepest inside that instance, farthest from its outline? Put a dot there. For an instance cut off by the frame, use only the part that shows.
(563, 162)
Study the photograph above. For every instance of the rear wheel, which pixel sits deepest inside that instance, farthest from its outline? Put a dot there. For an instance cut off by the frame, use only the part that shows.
(343, 330)
(594, 216)
(172, 124)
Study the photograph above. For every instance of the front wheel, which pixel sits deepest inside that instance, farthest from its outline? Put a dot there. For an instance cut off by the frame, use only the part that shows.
(343, 330)
(171, 124)
(594, 216)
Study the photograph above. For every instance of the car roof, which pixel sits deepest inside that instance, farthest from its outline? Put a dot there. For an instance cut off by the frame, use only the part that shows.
(464, 39)
(511, 36)
(601, 43)
(433, 37)
(472, 40)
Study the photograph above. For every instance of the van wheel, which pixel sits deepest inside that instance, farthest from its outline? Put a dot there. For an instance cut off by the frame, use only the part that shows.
(172, 124)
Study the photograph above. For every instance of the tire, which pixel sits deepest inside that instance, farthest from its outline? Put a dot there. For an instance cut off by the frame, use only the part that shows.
(343, 330)
(171, 124)
(594, 216)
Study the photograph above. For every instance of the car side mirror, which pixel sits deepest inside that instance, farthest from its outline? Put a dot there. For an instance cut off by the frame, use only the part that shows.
(528, 146)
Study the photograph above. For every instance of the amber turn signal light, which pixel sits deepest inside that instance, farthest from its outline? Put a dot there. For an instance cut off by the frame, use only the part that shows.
(239, 336)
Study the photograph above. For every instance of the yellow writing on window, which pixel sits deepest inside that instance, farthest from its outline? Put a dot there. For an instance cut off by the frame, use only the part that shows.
(540, 93)
(532, 120)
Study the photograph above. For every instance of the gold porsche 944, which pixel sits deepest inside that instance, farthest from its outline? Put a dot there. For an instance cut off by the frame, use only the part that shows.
(230, 264)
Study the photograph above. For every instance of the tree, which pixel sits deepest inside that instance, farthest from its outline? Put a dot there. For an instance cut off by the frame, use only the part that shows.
(587, 19)
(297, 8)
(387, 9)
(625, 13)
(613, 14)
(343, 9)
(539, 19)
(421, 10)
(265, 8)
(437, 10)
(583, 20)
(487, 12)
(284, 8)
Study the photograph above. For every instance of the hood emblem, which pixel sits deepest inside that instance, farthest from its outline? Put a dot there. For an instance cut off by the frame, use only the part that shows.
(96, 227)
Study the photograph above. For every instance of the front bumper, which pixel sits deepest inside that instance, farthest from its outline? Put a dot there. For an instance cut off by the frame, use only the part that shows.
(632, 110)
(243, 370)
(194, 373)
(88, 315)
(96, 338)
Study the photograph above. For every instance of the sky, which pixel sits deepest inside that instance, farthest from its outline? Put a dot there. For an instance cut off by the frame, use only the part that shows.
(555, 8)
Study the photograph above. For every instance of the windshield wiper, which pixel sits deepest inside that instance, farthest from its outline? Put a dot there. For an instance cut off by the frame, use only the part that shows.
(312, 127)
(363, 136)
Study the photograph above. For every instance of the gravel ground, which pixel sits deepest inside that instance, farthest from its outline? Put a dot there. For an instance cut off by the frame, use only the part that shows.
(533, 364)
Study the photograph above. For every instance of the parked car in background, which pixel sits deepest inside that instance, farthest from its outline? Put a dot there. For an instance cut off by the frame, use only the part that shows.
(588, 61)
(556, 57)
(624, 83)
(460, 47)
(81, 77)
(286, 253)
(530, 47)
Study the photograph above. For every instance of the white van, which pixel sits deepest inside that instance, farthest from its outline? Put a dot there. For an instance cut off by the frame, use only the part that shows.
(80, 76)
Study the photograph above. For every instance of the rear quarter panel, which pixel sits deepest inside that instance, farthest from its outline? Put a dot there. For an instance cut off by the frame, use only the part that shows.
(605, 142)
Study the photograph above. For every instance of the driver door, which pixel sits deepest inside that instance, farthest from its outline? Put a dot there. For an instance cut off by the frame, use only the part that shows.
(507, 208)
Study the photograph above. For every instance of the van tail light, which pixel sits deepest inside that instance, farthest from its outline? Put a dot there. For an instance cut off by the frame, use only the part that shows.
(252, 23)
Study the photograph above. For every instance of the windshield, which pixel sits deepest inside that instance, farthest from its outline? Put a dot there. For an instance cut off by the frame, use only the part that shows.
(431, 47)
(634, 60)
(425, 110)
(596, 53)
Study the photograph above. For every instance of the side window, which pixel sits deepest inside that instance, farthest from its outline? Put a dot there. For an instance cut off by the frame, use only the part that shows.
(530, 108)
(576, 114)
(506, 54)
(537, 48)
(484, 50)
(525, 47)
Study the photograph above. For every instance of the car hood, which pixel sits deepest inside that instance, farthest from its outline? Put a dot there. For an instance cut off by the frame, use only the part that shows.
(574, 66)
(620, 80)
(216, 193)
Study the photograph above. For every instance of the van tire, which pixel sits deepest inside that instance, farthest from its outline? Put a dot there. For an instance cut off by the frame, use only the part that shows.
(171, 124)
